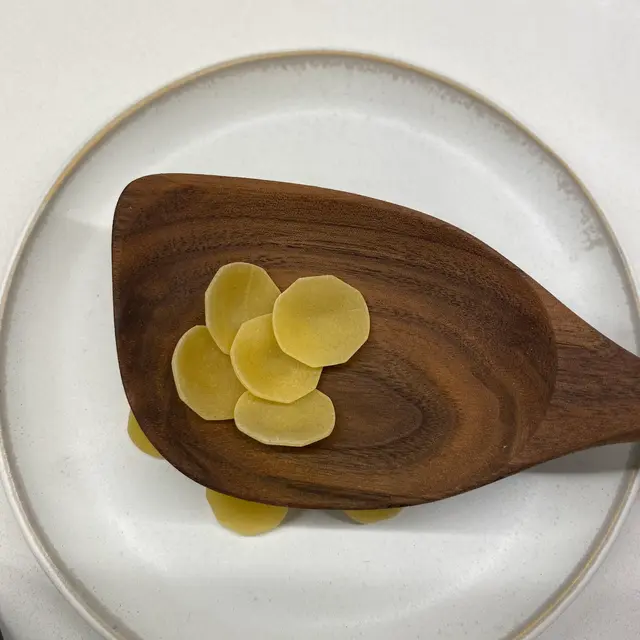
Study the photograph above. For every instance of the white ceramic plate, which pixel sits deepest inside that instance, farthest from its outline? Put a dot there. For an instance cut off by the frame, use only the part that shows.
(131, 542)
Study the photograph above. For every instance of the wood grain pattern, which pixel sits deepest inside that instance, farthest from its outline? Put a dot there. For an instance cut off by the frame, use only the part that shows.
(472, 371)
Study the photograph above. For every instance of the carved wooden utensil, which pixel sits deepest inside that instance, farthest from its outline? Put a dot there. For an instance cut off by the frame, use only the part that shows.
(472, 372)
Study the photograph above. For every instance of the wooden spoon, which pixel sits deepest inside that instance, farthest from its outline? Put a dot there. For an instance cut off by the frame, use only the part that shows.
(472, 372)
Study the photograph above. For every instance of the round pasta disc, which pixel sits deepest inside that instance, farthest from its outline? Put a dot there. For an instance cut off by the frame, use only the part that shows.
(321, 321)
(204, 377)
(139, 438)
(307, 420)
(238, 292)
(264, 369)
(244, 517)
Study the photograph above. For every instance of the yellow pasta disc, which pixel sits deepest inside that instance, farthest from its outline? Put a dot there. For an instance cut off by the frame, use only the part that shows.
(238, 292)
(298, 424)
(321, 321)
(264, 369)
(204, 376)
(244, 517)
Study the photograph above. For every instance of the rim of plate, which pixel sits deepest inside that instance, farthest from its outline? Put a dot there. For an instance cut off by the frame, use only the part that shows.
(22, 512)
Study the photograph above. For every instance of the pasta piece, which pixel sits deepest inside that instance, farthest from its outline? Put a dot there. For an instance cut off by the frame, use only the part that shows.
(369, 516)
(238, 292)
(321, 321)
(244, 517)
(298, 424)
(204, 376)
(264, 369)
(139, 439)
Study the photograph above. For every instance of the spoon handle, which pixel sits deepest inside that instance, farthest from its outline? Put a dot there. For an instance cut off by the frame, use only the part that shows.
(596, 398)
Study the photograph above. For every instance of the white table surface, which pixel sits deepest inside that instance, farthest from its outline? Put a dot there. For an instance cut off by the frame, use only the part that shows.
(569, 69)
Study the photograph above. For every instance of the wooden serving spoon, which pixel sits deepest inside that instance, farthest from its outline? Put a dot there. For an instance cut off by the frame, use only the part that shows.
(472, 371)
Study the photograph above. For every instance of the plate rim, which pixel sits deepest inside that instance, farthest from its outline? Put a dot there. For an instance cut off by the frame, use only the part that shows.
(45, 557)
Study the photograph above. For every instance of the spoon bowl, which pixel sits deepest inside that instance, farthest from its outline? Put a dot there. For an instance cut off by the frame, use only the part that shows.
(472, 371)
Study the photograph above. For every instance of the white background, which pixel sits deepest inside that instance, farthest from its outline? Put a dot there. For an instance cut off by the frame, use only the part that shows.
(568, 69)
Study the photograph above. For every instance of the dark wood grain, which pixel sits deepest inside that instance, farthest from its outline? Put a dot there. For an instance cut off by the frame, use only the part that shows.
(472, 370)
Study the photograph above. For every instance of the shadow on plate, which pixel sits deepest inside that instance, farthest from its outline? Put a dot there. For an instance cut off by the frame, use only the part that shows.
(498, 506)
(599, 460)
